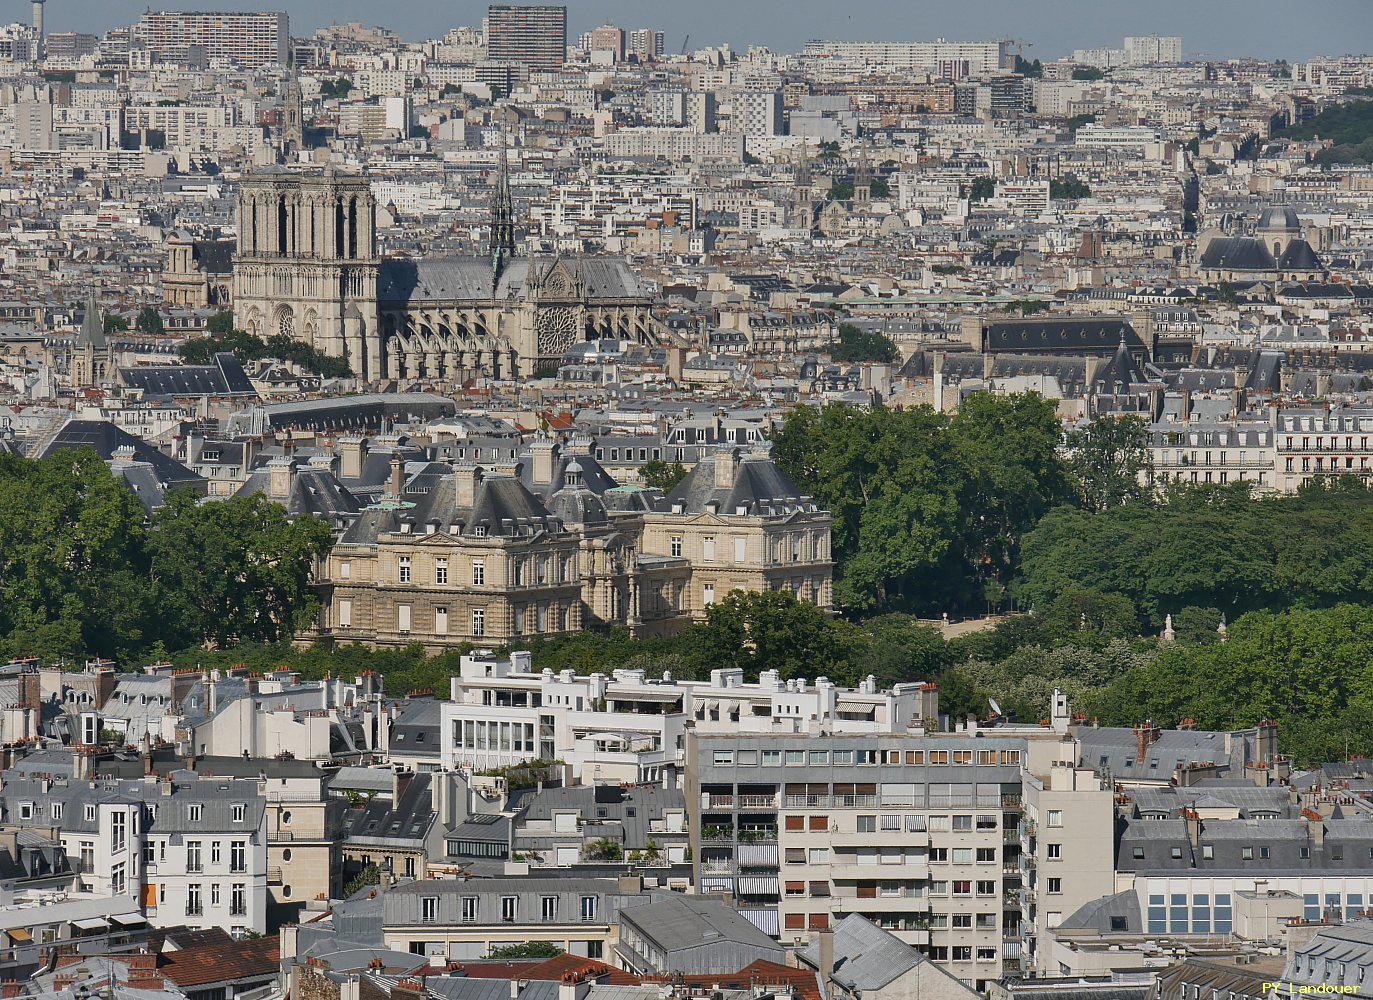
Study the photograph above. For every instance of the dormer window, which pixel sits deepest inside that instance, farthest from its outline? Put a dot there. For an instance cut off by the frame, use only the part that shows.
(478, 531)
(194, 812)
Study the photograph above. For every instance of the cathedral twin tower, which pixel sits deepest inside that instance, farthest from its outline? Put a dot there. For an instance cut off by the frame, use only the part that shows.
(307, 267)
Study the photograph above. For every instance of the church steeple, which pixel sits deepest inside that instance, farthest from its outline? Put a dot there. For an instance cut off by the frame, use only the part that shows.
(502, 217)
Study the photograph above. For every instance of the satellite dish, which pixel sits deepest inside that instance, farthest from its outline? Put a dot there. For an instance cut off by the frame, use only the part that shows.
(996, 709)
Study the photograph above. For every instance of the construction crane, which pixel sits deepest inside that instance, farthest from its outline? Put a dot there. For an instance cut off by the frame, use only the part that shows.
(686, 43)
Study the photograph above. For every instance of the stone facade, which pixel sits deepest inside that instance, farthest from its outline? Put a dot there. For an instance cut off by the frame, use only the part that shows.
(308, 267)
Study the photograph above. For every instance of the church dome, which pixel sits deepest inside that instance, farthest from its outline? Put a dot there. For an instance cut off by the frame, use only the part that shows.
(1279, 219)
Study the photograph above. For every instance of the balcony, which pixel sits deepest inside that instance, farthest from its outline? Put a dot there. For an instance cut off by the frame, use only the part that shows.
(711, 800)
(194, 910)
(274, 876)
(757, 802)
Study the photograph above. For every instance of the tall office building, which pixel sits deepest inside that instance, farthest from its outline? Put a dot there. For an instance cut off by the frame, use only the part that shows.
(247, 39)
(535, 36)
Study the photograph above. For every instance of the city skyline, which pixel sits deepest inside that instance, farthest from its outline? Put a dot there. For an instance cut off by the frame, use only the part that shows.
(1231, 28)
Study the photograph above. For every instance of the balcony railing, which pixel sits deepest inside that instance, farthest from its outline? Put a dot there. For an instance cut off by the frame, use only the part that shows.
(757, 802)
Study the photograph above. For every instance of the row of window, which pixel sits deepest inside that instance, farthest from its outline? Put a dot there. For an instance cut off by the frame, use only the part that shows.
(238, 855)
(238, 899)
(470, 909)
(802, 758)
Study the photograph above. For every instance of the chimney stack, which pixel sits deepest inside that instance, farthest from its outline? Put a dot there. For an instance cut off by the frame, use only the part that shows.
(280, 472)
(396, 484)
(466, 476)
(351, 451)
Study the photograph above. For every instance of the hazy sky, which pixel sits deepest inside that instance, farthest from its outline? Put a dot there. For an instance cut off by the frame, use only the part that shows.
(1293, 29)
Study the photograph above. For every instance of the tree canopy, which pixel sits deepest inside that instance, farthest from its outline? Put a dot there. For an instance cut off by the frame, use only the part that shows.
(84, 572)
(224, 337)
(928, 509)
(857, 344)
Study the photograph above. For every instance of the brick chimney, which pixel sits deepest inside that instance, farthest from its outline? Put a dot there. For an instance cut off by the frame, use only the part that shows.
(1145, 737)
(396, 484)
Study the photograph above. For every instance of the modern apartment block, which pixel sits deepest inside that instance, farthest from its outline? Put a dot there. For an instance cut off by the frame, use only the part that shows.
(532, 35)
(248, 39)
(1067, 852)
(918, 834)
(626, 726)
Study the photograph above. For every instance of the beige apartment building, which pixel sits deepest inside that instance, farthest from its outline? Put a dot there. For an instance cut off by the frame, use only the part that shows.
(1067, 852)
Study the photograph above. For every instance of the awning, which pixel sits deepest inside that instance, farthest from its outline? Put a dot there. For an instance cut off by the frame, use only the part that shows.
(91, 923)
(19, 934)
(716, 884)
(757, 886)
(129, 919)
(765, 920)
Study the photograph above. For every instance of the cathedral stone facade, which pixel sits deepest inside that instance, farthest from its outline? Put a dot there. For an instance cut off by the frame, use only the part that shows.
(307, 267)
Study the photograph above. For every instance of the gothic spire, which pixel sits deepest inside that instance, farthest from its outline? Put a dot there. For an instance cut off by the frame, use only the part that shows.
(502, 217)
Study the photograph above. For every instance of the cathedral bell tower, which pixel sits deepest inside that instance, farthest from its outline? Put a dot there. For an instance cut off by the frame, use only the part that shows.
(306, 266)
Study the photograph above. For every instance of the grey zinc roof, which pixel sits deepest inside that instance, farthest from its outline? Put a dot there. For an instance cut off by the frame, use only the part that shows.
(1097, 914)
(1238, 253)
(678, 924)
(866, 957)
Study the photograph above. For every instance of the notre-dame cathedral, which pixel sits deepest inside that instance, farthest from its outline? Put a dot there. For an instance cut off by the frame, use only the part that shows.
(307, 266)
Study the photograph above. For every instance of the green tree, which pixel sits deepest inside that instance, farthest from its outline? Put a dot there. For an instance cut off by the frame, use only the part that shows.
(1008, 447)
(114, 323)
(221, 324)
(232, 571)
(662, 475)
(857, 344)
(1088, 73)
(149, 322)
(758, 631)
(980, 189)
(1068, 188)
(1109, 461)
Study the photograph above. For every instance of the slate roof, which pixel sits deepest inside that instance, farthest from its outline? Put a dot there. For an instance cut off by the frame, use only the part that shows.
(1060, 334)
(502, 505)
(759, 486)
(1238, 253)
(381, 821)
(604, 804)
(316, 492)
(223, 378)
(469, 278)
(676, 923)
(1298, 256)
(105, 438)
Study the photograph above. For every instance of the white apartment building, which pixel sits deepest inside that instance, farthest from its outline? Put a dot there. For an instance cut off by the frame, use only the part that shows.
(1316, 442)
(191, 854)
(952, 60)
(627, 727)
(673, 144)
(1152, 50)
(258, 38)
(1067, 852)
(917, 834)
(757, 113)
